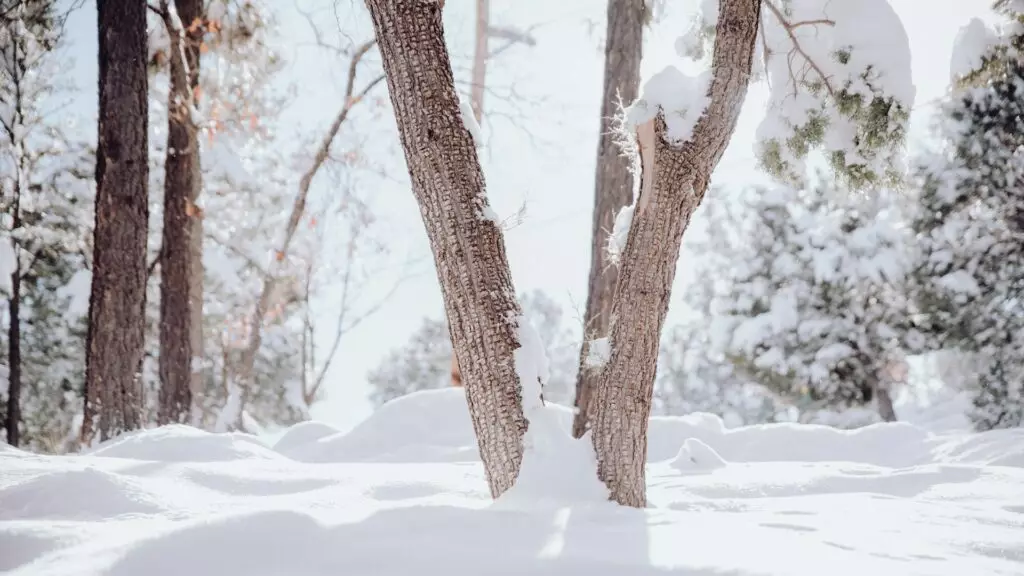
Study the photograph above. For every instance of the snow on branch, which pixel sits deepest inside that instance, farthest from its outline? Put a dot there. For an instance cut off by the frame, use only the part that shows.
(839, 80)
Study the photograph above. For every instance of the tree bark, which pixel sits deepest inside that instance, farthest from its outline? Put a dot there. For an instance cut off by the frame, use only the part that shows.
(14, 349)
(181, 256)
(469, 251)
(883, 399)
(114, 349)
(613, 182)
(673, 182)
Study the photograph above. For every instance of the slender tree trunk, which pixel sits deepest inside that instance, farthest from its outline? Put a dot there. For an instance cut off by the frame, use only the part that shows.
(14, 352)
(117, 304)
(479, 75)
(13, 417)
(613, 182)
(673, 182)
(469, 251)
(181, 257)
(883, 399)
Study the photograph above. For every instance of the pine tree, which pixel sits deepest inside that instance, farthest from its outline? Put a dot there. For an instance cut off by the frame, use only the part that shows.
(44, 205)
(808, 295)
(969, 281)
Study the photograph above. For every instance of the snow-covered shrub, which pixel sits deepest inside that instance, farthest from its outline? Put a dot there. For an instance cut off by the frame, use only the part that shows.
(692, 377)
(45, 225)
(969, 221)
(806, 296)
(424, 363)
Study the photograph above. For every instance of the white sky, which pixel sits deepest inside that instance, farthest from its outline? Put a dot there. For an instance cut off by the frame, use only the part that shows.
(540, 147)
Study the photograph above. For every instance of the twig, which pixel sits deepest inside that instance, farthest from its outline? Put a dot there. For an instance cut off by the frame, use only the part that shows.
(790, 27)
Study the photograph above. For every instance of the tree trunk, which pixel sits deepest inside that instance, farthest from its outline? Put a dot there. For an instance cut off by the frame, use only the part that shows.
(181, 257)
(117, 303)
(673, 181)
(14, 352)
(479, 74)
(613, 182)
(883, 399)
(469, 251)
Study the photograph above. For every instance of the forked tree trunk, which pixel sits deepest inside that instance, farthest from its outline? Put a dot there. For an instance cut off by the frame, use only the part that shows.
(673, 182)
(118, 299)
(469, 251)
(181, 254)
(613, 183)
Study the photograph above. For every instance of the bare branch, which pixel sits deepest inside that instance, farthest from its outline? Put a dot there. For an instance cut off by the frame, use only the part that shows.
(299, 208)
(790, 28)
(516, 36)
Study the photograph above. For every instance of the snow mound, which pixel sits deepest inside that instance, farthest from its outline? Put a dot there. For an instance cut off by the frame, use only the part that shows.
(696, 456)
(84, 494)
(179, 443)
(427, 426)
(404, 493)
(301, 434)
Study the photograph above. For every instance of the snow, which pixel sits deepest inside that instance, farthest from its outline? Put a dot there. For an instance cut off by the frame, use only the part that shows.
(876, 64)
(888, 499)
(8, 264)
(973, 42)
(620, 232)
(466, 111)
(599, 352)
(680, 97)
(556, 467)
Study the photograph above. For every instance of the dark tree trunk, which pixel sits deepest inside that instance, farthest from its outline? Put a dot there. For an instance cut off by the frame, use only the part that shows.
(181, 257)
(613, 183)
(674, 179)
(114, 351)
(468, 249)
(14, 355)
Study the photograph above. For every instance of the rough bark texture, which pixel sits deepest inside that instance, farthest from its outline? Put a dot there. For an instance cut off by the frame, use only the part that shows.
(469, 251)
(673, 181)
(181, 254)
(14, 351)
(613, 182)
(117, 303)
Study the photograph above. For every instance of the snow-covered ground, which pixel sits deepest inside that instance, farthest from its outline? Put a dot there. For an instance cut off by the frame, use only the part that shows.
(404, 493)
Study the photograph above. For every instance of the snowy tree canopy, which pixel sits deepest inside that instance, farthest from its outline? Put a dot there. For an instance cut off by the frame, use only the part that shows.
(805, 298)
(969, 282)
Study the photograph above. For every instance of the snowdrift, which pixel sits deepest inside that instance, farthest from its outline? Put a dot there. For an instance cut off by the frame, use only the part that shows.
(404, 493)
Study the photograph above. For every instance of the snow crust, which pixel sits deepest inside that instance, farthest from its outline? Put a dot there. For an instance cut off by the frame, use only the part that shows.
(404, 493)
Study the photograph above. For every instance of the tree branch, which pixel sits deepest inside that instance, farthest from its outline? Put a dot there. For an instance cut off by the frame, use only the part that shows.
(790, 28)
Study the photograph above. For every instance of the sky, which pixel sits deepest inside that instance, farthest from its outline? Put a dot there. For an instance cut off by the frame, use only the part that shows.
(540, 130)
